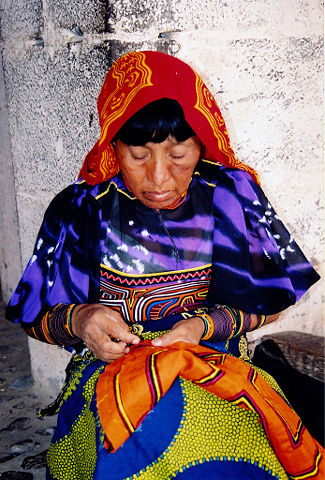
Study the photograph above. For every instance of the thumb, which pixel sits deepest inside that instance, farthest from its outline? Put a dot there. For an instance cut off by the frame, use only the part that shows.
(121, 332)
(128, 337)
(164, 340)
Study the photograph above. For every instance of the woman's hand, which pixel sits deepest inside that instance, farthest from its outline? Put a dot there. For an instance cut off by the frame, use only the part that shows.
(96, 325)
(189, 330)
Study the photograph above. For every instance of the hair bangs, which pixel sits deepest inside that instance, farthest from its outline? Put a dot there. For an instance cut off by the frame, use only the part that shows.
(154, 123)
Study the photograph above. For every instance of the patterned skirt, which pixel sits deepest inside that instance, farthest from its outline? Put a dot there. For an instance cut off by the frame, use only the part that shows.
(190, 433)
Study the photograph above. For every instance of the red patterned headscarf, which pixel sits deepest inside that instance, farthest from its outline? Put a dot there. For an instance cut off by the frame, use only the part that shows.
(139, 78)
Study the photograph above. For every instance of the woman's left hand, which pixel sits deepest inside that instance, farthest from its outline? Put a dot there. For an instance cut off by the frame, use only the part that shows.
(189, 330)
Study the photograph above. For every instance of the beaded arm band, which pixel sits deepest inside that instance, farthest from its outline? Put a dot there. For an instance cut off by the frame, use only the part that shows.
(55, 326)
(223, 323)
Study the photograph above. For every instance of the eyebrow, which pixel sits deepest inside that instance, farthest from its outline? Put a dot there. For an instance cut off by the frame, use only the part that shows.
(174, 143)
(154, 143)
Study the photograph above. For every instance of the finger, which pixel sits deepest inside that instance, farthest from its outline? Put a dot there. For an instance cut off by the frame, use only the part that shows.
(109, 352)
(113, 347)
(107, 333)
(118, 329)
(125, 336)
(111, 355)
(103, 344)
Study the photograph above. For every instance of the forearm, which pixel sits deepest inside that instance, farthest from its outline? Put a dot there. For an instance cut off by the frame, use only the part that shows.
(268, 319)
(55, 326)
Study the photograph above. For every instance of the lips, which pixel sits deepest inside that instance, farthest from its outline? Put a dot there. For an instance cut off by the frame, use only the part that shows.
(158, 196)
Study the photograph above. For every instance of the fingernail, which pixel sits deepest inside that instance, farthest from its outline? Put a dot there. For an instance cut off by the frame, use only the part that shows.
(157, 342)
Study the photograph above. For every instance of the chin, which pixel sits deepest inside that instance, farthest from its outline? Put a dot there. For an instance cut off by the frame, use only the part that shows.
(155, 206)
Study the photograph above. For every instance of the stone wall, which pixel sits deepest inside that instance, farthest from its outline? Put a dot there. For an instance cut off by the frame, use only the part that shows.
(262, 60)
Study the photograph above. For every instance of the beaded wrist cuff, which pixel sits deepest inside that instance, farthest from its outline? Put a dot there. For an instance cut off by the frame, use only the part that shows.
(223, 323)
(55, 326)
(60, 324)
(208, 326)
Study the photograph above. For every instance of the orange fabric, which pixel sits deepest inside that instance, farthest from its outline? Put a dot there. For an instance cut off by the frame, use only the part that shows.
(139, 78)
(129, 388)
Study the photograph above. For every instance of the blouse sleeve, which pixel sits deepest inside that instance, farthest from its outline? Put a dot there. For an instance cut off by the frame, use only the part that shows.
(257, 265)
(62, 268)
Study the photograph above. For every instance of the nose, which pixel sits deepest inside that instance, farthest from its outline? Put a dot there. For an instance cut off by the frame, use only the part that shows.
(158, 172)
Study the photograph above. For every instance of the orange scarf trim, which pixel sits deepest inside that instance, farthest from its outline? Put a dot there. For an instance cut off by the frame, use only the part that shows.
(139, 78)
(130, 387)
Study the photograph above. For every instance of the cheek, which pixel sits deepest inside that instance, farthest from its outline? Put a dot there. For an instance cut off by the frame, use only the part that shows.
(133, 179)
(129, 179)
(186, 171)
(182, 177)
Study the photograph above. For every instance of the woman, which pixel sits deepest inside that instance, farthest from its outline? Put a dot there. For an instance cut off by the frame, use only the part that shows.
(152, 266)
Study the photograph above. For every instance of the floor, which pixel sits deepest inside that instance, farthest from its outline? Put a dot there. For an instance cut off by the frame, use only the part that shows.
(24, 438)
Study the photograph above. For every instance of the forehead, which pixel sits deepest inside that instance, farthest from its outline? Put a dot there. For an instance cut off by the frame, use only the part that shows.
(170, 142)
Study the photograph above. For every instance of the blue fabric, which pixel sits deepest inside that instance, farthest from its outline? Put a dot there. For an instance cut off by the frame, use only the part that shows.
(225, 470)
(135, 449)
(257, 266)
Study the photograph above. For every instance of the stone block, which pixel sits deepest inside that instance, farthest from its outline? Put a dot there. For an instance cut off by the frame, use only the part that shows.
(53, 114)
(21, 19)
(48, 363)
(87, 15)
(230, 19)
(165, 45)
(10, 261)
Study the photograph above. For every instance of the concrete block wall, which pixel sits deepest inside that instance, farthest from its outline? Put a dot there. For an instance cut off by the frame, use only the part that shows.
(262, 59)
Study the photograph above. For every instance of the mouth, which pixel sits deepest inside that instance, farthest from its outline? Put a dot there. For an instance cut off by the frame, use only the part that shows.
(158, 196)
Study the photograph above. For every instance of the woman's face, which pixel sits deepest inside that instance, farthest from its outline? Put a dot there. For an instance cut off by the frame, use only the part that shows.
(158, 173)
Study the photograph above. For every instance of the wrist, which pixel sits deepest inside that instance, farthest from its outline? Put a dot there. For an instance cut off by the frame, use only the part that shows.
(73, 319)
(199, 322)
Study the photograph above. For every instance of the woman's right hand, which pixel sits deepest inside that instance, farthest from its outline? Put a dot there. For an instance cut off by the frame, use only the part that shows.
(96, 325)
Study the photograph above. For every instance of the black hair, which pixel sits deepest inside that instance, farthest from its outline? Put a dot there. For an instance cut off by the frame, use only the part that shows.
(154, 123)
